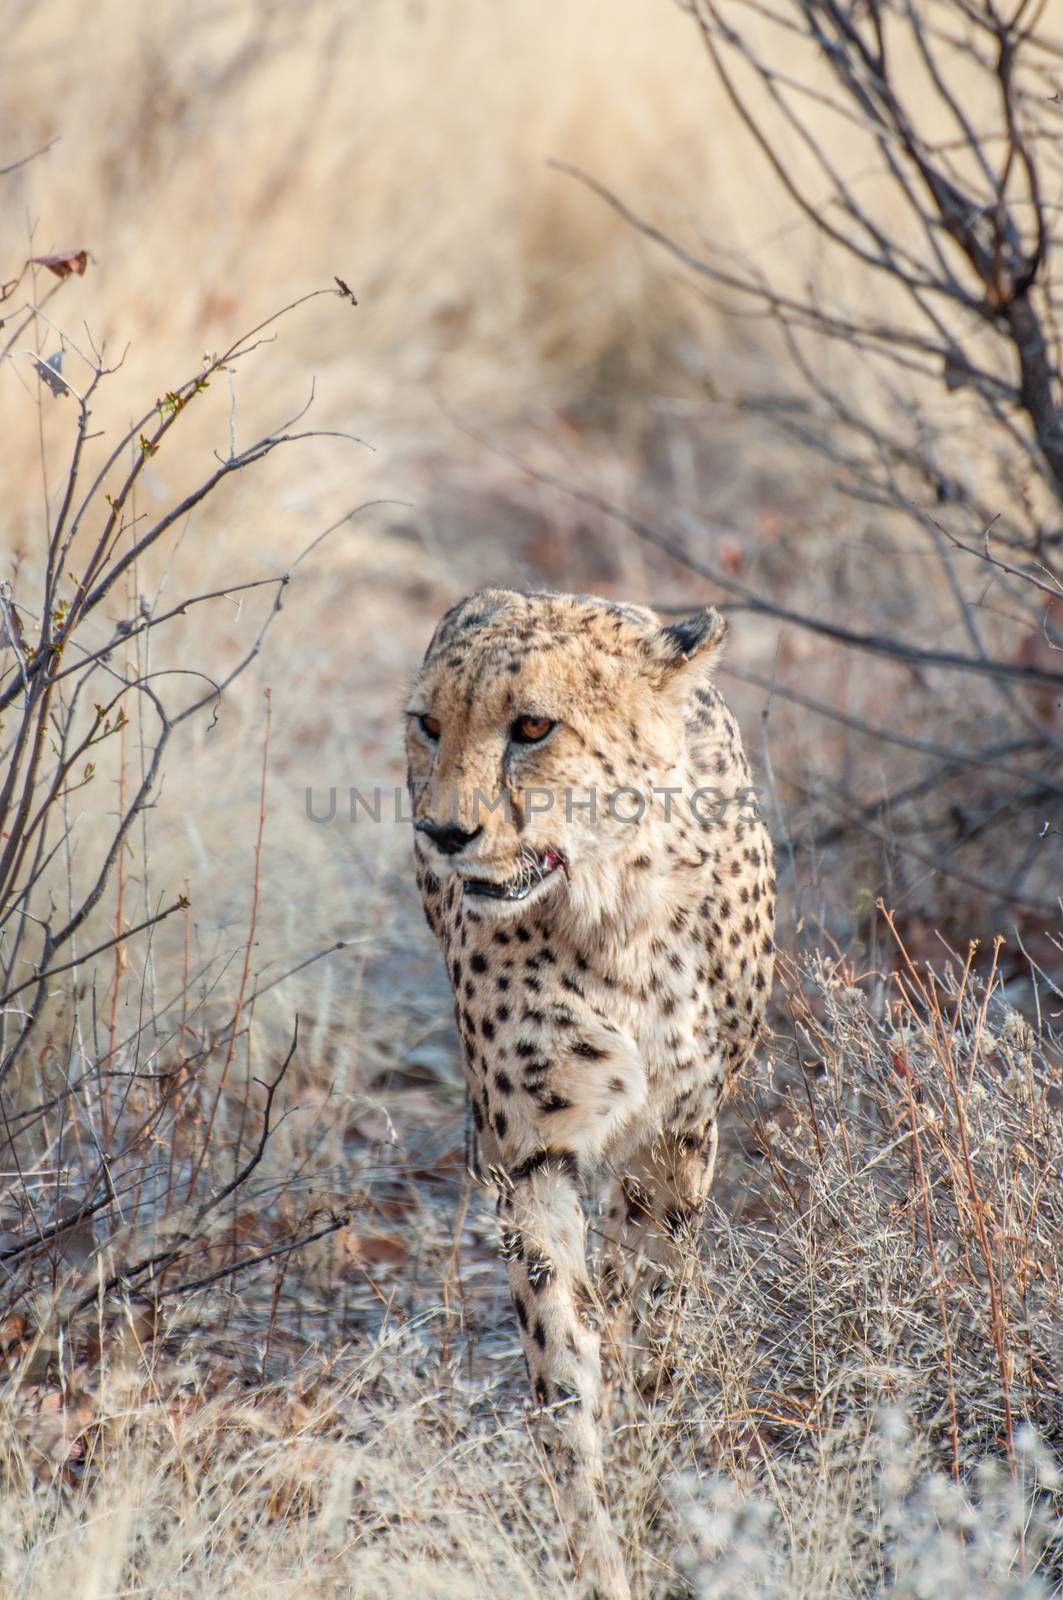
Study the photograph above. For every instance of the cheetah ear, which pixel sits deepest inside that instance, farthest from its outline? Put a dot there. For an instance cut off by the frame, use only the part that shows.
(698, 639)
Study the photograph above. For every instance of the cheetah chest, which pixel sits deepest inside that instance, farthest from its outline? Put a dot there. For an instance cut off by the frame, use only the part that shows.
(562, 1054)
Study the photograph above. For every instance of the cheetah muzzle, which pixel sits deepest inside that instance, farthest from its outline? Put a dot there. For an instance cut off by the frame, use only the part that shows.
(535, 871)
(610, 964)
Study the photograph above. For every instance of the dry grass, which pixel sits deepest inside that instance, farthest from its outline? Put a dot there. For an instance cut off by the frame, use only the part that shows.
(869, 1384)
(878, 1310)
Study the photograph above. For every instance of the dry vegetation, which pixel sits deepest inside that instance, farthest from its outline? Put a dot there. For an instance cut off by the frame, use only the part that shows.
(254, 1336)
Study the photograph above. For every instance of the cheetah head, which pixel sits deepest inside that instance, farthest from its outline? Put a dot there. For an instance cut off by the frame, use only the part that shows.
(537, 728)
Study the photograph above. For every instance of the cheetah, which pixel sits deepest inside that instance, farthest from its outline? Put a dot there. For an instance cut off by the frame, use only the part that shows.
(593, 865)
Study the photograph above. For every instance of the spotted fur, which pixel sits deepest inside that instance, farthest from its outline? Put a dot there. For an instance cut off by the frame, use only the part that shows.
(602, 1013)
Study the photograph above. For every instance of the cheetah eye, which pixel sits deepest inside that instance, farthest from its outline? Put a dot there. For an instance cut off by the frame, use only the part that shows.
(531, 730)
(430, 727)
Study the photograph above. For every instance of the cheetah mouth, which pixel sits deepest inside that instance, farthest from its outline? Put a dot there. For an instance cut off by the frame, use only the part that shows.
(534, 871)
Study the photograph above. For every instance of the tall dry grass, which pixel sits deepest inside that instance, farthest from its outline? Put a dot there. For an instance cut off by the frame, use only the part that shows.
(868, 1391)
(252, 149)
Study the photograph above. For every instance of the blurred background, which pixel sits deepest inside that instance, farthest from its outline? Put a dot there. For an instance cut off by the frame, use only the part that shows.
(220, 161)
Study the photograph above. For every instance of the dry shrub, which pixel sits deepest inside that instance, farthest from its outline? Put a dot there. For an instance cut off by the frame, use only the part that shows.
(868, 1397)
(878, 1350)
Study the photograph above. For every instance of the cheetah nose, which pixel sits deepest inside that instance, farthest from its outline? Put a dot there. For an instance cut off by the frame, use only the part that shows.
(448, 836)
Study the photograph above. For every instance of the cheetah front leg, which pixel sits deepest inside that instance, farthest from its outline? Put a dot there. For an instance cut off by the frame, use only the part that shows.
(652, 1221)
(543, 1242)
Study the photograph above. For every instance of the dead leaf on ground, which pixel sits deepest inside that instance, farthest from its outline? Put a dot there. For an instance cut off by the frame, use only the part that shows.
(13, 1330)
(375, 1249)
